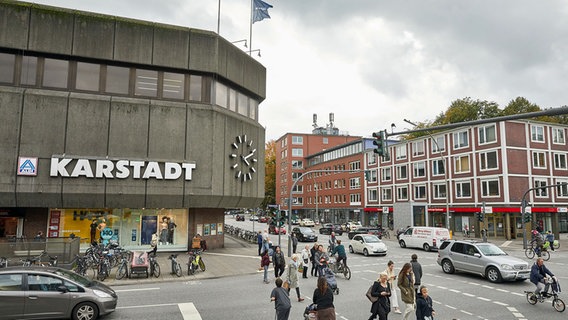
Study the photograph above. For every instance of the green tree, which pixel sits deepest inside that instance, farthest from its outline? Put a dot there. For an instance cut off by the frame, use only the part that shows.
(468, 110)
(270, 174)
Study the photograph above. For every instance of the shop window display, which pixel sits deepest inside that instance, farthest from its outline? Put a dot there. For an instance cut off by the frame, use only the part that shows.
(131, 228)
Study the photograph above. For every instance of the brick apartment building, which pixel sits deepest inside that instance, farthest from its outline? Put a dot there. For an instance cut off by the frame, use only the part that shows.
(485, 169)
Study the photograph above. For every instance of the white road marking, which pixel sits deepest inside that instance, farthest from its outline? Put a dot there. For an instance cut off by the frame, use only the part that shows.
(149, 306)
(189, 312)
(232, 255)
(134, 290)
(506, 243)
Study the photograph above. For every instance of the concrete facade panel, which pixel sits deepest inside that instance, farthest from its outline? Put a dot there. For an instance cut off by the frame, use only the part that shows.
(94, 36)
(44, 20)
(171, 46)
(43, 123)
(41, 190)
(203, 54)
(167, 129)
(10, 109)
(128, 134)
(87, 125)
(14, 18)
(133, 41)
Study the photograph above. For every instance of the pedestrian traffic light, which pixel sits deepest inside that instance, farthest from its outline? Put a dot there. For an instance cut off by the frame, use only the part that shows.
(381, 143)
(283, 218)
(480, 217)
(527, 217)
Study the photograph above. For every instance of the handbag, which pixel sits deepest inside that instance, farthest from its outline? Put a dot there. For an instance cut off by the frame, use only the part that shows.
(370, 296)
(301, 269)
(306, 261)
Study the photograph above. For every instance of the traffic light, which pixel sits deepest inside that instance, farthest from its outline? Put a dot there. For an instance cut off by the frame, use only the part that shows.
(283, 218)
(527, 217)
(367, 175)
(480, 217)
(381, 143)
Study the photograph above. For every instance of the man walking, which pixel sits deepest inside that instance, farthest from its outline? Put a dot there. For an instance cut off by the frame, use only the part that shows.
(259, 240)
(417, 270)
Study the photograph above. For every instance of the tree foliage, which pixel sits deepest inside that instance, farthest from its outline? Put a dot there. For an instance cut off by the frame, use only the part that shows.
(467, 109)
(270, 174)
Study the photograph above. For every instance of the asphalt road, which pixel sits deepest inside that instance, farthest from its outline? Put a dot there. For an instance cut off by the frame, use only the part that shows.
(456, 296)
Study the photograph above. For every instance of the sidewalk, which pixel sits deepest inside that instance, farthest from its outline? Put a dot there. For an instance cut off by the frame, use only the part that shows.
(236, 258)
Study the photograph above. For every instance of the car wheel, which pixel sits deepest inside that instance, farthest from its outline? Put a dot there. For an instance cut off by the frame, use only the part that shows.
(447, 266)
(426, 247)
(85, 311)
(402, 244)
(493, 274)
(351, 249)
(365, 252)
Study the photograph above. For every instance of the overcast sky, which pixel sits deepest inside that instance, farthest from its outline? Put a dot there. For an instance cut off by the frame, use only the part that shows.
(374, 63)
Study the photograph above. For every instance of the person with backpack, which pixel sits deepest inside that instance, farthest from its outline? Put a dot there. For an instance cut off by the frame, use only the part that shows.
(281, 301)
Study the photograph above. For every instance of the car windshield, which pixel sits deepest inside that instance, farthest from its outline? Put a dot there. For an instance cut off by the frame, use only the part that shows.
(305, 230)
(491, 250)
(74, 276)
(371, 239)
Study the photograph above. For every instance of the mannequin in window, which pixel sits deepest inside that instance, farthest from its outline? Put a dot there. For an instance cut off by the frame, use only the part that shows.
(94, 227)
(102, 225)
(164, 231)
(171, 228)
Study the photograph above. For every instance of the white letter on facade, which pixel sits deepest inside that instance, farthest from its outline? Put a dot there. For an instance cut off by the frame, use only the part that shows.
(152, 171)
(172, 170)
(104, 168)
(137, 167)
(58, 167)
(188, 167)
(82, 168)
(123, 171)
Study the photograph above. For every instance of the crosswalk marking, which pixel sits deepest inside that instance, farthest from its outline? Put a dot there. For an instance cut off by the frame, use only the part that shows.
(189, 312)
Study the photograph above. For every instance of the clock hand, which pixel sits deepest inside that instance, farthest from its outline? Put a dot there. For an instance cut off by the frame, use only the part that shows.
(245, 160)
(250, 154)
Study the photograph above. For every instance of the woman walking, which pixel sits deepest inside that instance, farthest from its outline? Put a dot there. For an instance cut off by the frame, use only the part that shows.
(424, 310)
(306, 257)
(406, 285)
(382, 290)
(264, 263)
(323, 298)
(279, 262)
(391, 276)
(292, 276)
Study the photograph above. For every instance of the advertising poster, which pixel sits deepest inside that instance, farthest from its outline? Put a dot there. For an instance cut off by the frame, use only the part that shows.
(213, 229)
(206, 229)
(199, 229)
(149, 227)
(219, 228)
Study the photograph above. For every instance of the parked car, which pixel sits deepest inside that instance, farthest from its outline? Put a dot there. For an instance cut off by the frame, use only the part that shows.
(327, 228)
(365, 230)
(483, 258)
(427, 238)
(263, 219)
(52, 293)
(295, 221)
(305, 234)
(307, 223)
(367, 244)
(352, 225)
(272, 229)
(240, 217)
(253, 218)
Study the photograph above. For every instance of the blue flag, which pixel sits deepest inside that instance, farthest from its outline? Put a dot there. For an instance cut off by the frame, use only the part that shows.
(260, 10)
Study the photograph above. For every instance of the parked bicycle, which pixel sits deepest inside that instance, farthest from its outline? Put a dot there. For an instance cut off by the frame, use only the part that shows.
(122, 270)
(37, 260)
(551, 290)
(154, 266)
(195, 261)
(176, 266)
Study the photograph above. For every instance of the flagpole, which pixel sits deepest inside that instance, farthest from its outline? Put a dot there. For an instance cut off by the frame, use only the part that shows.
(250, 30)
(219, 17)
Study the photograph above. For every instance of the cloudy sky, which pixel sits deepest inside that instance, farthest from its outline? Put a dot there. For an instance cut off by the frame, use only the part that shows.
(374, 63)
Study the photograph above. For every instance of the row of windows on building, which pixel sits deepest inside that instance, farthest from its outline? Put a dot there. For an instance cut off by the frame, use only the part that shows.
(59, 74)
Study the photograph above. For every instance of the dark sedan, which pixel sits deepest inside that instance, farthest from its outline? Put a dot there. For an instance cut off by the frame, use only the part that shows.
(305, 234)
(365, 230)
(327, 228)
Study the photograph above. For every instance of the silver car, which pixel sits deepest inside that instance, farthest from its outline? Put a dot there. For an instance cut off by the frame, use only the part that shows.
(52, 293)
(483, 258)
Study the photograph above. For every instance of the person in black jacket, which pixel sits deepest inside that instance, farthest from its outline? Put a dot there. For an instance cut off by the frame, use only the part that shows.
(382, 290)
(279, 262)
(417, 270)
(323, 298)
(424, 310)
(313, 250)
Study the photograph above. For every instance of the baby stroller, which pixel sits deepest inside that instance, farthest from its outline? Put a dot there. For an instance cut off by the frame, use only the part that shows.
(311, 313)
(330, 278)
(139, 264)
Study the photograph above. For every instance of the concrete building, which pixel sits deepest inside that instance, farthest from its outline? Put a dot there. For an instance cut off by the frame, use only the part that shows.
(128, 126)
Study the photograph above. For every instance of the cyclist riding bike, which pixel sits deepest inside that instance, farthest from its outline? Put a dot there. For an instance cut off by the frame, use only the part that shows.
(341, 255)
(538, 241)
(538, 276)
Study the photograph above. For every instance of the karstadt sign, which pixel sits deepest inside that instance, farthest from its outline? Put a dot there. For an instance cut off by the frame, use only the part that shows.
(119, 169)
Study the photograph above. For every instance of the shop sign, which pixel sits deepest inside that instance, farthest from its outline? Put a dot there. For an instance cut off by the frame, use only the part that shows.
(119, 169)
(27, 166)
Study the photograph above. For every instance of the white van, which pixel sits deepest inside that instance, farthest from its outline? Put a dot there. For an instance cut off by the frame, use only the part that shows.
(428, 238)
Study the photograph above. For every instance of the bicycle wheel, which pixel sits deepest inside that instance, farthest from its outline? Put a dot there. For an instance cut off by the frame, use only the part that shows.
(190, 268)
(556, 244)
(177, 269)
(102, 274)
(156, 271)
(529, 252)
(201, 264)
(531, 298)
(545, 255)
(558, 304)
(122, 271)
(347, 272)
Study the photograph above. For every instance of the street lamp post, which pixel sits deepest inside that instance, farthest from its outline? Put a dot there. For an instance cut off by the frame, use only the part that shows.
(445, 173)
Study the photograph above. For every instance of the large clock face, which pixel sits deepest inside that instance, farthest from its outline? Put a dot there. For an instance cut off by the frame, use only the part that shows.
(243, 156)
